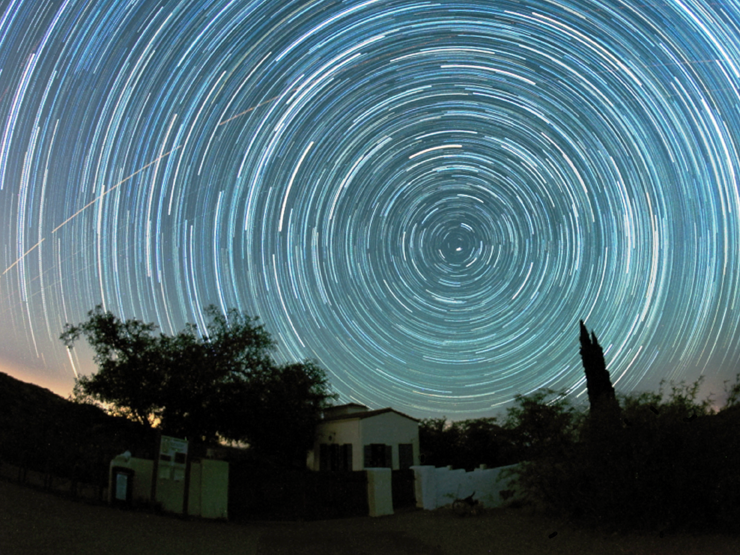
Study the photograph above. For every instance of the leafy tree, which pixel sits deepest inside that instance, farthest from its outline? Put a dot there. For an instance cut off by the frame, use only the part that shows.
(130, 363)
(544, 427)
(219, 384)
(485, 441)
(283, 406)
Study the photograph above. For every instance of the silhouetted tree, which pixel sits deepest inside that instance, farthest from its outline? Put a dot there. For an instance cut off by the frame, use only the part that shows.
(601, 394)
(279, 411)
(130, 364)
(733, 393)
(221, 384)
(666, 460)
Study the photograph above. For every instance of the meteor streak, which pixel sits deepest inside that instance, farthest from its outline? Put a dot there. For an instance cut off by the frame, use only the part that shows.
(96, 199)
(22, 257)
(88, 205)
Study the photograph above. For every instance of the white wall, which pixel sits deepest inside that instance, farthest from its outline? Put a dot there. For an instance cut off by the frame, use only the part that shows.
(214, 489)
(142, 479)
(437, 487)
(338, 432)
(388, 428)
(391, 428)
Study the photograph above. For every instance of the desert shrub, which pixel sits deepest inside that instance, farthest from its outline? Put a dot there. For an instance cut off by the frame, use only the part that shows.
(543, 425)
(672, 462)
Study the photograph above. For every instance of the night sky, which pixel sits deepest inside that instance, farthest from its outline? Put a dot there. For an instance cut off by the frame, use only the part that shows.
(424, 197)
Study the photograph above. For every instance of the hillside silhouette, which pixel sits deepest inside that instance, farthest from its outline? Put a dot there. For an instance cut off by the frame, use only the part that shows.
(39, 430)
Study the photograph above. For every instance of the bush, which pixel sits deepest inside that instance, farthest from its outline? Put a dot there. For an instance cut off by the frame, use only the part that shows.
(672, 462)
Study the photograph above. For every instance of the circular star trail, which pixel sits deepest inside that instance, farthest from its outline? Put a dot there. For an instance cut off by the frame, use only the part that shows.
(423, 197)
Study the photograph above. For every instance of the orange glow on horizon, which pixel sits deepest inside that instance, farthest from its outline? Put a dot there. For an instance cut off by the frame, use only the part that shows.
(54, 383)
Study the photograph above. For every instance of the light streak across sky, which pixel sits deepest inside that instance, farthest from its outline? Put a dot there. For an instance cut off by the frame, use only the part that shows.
(424, 197)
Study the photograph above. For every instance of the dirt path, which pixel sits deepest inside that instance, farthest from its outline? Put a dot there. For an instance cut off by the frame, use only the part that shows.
(39, 523)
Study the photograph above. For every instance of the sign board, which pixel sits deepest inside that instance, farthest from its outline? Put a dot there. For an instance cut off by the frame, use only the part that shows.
(173, 456)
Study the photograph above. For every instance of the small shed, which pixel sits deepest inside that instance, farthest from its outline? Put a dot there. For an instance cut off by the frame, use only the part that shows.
(353, 437)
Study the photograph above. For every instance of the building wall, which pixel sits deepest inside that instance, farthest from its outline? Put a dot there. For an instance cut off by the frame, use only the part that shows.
(195, 490)
(214, 489)
(171, 494)
(388, 429)
(142, 479)
(338, 432)
(391, 429)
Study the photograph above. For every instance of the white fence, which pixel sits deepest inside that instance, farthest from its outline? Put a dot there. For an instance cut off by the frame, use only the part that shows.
(437, 487)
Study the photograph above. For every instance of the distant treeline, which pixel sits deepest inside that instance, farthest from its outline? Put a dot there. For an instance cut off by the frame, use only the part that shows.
(467, 443)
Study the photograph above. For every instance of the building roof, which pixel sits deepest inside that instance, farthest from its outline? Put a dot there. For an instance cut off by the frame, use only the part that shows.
(365, 414)
(348, 407)
(358, 405)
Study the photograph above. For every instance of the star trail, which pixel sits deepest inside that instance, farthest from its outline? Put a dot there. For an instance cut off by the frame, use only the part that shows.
(424, 197)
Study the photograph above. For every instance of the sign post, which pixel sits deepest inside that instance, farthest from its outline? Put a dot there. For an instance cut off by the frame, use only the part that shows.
(173, 464)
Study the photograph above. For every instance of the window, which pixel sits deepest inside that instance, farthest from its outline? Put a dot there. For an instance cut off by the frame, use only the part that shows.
(378, 455)
(335, 457)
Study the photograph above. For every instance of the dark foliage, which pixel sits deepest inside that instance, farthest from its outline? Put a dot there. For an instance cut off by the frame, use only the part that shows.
(177, 382)
(732, 393)
(277, 412)
(466, 444)
(221, 384)
(645, 460)
(672, 462)
(543, 425)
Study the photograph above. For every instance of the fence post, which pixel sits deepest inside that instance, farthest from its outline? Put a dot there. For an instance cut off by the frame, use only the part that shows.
(425, 487)
(379, 491)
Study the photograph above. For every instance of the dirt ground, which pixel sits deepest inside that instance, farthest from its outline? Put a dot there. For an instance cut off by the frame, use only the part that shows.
(38, 523)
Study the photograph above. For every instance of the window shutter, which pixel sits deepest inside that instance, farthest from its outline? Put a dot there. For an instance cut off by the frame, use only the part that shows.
(405, 455)
(347, 447)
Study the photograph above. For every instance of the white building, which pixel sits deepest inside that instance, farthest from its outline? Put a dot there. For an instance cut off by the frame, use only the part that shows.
(353, 437)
